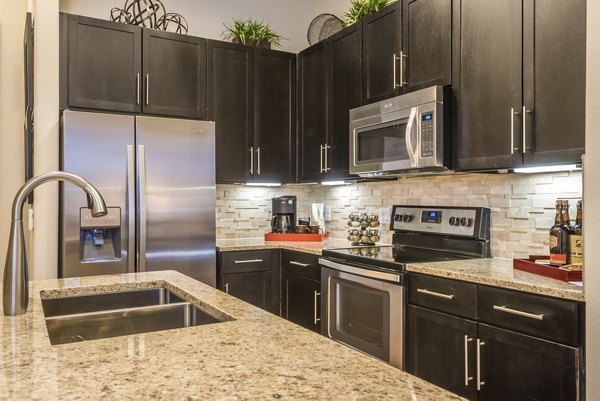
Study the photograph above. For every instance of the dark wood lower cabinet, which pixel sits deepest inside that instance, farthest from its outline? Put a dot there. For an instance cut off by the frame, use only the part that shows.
(301, 301)
(516, 366)
(436, 349)
(252, 287)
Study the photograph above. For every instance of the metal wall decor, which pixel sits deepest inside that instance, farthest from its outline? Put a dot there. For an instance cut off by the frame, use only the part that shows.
(149, 14)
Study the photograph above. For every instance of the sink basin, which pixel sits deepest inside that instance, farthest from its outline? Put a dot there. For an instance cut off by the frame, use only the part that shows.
(103, 302)
(94, 325)
(91, 317)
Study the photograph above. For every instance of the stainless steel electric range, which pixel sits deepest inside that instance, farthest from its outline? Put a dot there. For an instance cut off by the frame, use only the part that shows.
(363, 287)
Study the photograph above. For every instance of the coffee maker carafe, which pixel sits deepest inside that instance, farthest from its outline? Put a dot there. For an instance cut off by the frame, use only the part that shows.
(284, 214)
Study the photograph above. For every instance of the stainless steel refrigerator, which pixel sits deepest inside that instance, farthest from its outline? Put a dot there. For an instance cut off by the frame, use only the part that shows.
(157, 176)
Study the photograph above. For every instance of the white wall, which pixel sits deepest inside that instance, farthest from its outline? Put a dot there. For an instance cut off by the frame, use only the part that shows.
(591, 191)
(12, 175)
(289, 18)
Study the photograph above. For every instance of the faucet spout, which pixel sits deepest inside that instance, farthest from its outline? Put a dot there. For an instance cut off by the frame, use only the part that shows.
(15, 285)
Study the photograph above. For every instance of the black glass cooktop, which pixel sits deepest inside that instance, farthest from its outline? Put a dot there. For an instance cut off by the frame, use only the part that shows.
(389, 257)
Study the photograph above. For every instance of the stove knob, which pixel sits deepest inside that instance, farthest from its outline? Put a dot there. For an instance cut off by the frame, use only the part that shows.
(407, 218)
(465, 221)
(454, 221)
(397, 217)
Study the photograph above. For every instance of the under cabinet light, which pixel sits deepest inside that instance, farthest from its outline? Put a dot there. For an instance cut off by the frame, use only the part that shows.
(263, 184)
(335, 183)
(548, 169)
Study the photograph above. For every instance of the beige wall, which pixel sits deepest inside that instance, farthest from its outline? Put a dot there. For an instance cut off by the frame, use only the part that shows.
(289, 18)
(592, 198)
(12, 19)
(522, 204)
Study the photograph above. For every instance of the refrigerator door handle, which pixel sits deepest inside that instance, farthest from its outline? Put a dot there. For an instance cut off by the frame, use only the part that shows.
(141, 209)
(130, 186)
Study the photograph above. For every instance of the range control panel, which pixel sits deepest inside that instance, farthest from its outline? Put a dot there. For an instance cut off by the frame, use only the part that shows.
(467, 221)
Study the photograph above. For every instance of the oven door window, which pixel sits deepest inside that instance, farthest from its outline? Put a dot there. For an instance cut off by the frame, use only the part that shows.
(360, 317)
(381, 143)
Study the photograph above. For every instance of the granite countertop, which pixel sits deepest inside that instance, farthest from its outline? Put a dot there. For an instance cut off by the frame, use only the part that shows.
(256, 356)
(249, 244)
(499, 273)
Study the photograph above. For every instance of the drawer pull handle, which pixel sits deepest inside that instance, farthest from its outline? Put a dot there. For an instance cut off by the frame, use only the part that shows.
(248, 261)
(434, 294)
(518, 312)
(293, 262)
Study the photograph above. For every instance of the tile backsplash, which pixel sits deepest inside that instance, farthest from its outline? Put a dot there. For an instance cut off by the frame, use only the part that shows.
(522, 204)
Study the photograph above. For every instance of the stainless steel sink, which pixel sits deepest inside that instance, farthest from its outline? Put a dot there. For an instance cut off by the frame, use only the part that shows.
(103, 302)
(91, 317)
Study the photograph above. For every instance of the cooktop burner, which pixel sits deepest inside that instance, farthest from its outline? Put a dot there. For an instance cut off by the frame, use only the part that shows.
(390, 257)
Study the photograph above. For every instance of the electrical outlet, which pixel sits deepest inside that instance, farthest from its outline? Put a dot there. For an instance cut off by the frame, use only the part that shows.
(384, 216)
(327, 213)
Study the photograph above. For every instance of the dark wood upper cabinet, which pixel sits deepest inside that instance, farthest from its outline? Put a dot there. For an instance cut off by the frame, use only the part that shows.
(101, 64)
(521, 83)
(231, 107)
(427, 43)
(312, 110)
(554, 81)
(489, 83)
(174, 73)
(274, 116)
(382, 53)
(344, 93)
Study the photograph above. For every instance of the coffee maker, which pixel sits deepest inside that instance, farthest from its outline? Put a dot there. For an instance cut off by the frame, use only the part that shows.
(284, 214)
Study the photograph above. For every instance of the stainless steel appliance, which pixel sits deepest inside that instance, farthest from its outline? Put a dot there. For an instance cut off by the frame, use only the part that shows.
(157, 176)
(363, 287)
(284, 214)
(408, 133)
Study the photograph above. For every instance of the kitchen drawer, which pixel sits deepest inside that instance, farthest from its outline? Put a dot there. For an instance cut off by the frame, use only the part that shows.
(303, 264)
(549, 318)
(248, 261)
(450, 296)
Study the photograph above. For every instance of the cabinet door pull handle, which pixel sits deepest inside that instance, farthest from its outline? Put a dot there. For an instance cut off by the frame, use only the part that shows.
(293, 262)
(519, 313)
(316, 294)
(248, 261)
(251, 159)
(326, 162)
(137, 88)
(321, 170)
(434, 294)
(512, 130)
(394, 59)
(467, 377)
(479, 382)
(147, 89)
(258, 160)
(525, 111)
(226, 288)
(402, 57)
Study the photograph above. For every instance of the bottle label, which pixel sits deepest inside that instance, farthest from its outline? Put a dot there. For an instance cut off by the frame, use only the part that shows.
(553, 241)
(575, 249)
(558, 259)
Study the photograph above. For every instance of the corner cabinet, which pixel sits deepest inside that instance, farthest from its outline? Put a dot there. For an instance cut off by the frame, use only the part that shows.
(252, 276)
(110, 66)
(486, 343)
(520, 84)
(252, 101)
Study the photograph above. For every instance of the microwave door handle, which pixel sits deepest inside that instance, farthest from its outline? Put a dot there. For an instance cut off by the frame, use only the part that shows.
(408, 135)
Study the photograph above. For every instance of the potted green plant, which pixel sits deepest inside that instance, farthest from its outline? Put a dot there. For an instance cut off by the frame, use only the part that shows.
(251, 32)
(360, 8)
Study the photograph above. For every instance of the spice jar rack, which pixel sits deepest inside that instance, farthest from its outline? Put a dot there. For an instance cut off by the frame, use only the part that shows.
(363, 229)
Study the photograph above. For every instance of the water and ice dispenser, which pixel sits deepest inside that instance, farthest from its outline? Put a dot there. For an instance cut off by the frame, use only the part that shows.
(100, 237)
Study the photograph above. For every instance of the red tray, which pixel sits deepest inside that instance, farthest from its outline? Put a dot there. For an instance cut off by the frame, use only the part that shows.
(557, 273)
(296, 237)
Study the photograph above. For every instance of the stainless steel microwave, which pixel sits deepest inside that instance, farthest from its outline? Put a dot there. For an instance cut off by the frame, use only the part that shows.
(406, 134)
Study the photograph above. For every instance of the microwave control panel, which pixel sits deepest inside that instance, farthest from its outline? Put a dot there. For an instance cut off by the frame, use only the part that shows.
(427, 134)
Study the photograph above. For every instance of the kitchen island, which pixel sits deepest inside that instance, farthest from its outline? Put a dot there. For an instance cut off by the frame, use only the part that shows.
(256, 356)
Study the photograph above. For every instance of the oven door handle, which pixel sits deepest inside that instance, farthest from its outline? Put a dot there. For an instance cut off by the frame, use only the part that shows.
(361, 272)
(408, 134)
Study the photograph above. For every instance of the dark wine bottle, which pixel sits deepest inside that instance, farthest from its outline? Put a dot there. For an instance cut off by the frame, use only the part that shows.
(576, 239)
(559, 238)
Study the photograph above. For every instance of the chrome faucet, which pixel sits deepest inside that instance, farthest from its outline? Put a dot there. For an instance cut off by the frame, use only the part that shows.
(15, 285)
